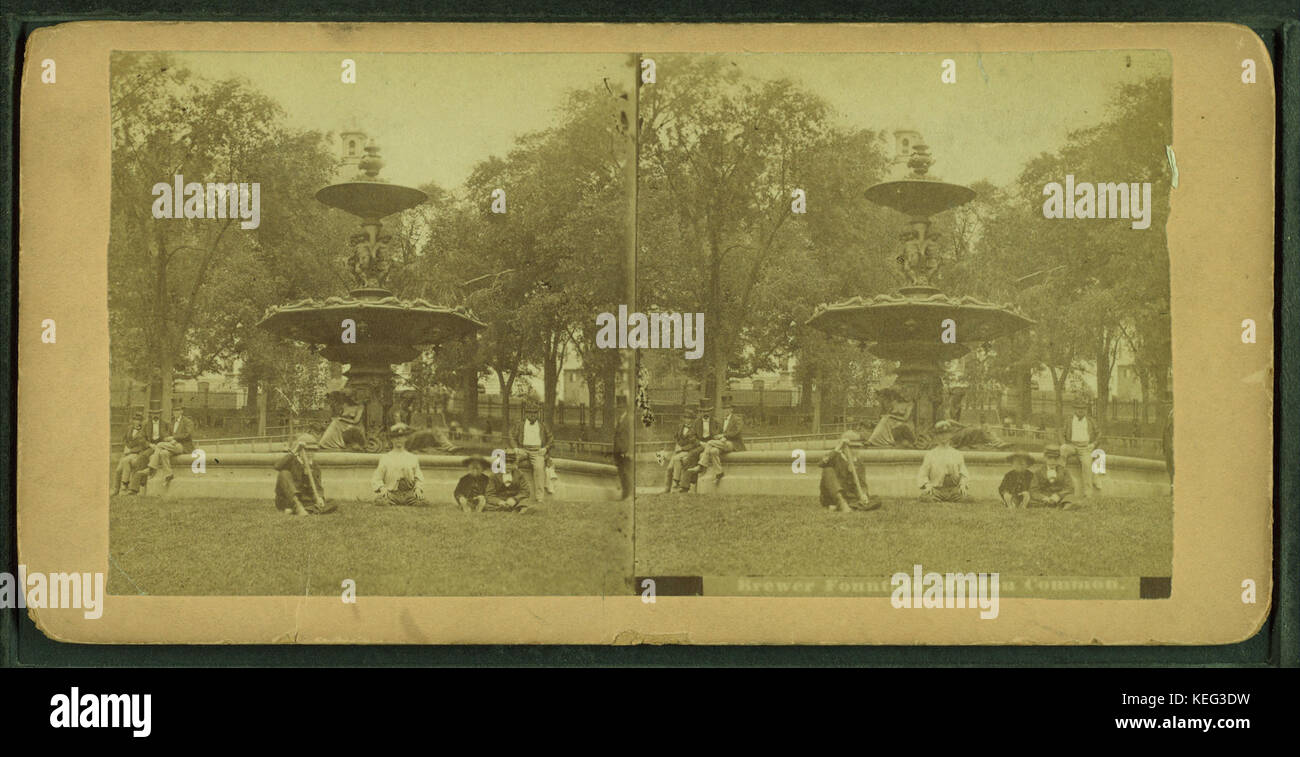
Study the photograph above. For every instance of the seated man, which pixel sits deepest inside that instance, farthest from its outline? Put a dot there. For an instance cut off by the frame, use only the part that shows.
(179, 438)
(686, 454)
(1052, 485)
(943, 475)
(471, 490)
(397, 480)
(298, 489)
(533, 438)
(843, 484)
(1080, 436)
(1014, 489)
(134, 447)
(155, 431)
(729, 438)
(510, 491)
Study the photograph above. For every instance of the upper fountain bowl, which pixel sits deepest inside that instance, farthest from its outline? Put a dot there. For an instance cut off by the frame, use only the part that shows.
(920, 197)
(370, 200)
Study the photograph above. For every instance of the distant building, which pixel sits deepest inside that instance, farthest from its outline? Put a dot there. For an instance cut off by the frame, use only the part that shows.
(352, 146)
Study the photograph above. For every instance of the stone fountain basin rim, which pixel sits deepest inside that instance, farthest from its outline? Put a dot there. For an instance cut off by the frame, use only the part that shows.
(886, 455)
(293, 320)
(368, 460)
(935, 301)
(387, 304)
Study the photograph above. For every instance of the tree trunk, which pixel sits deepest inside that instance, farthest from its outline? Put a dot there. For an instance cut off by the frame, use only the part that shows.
(551, 378)
(591, 401)
(506, 386)
(254, 397)
(1103, 373)
(470, 388)
(719, 356)
(814, 401)
(1026, 395)
(165, 376)
(609, 391)
(1058, 387)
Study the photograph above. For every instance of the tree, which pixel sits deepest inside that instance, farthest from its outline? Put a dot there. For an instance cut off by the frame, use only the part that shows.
(1089, 285)
(184, 292)
(720, 156)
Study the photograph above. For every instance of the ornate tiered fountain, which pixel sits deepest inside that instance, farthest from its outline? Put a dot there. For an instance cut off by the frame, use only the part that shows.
(907, 325)
(388, 330)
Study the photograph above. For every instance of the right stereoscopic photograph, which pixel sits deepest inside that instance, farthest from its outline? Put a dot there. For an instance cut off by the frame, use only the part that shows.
(926, 319)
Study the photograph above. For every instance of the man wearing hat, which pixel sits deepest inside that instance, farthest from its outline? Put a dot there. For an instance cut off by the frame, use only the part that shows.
(135, 448)
(397, 480)
(298, 488)
(943, 475)
(471, 490)
(183, 428)
(704, 426)
(1079, 435)
(1015, 486)
(155, 432)
(728, 438)
(510, 491)
(160, 461)
(844, 482)
(1052, 486)
(533, 437)
(686, 453)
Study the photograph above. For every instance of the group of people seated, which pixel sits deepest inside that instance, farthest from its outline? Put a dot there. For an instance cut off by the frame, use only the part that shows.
(398, 481)
(943, 476)
(700, 443)
(147, 449)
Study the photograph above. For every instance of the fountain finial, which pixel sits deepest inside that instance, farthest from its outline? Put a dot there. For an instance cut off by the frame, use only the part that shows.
(371, 163)
(920, 160)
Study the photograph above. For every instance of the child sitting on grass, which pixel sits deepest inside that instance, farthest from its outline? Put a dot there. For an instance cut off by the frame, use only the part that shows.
(1014, 489)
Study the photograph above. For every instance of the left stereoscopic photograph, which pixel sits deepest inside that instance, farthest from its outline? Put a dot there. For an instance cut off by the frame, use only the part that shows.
(350, 332)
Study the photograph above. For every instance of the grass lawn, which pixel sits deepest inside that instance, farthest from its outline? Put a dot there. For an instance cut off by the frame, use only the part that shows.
(742, 535)
(246, 547)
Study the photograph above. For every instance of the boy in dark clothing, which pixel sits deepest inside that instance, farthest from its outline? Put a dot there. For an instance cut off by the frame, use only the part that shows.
(1014, 489)
(471, 490)
(298, 489)
(844, 471)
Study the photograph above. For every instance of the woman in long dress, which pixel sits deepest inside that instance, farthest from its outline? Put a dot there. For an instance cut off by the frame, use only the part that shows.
(345, 428)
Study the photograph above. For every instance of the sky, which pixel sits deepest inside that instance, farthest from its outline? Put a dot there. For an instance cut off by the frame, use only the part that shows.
(435, 115)
(1003, 110)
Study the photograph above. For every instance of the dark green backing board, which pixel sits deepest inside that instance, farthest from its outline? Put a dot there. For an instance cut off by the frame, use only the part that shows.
(1277, 645)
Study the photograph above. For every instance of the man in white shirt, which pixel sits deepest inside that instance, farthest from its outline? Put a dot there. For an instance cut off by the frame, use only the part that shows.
(943, 475)
(534, 439)
(397, 480)
(1079, 436)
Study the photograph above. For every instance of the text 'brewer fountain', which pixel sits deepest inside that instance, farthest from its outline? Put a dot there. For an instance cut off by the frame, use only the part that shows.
(906, 326)
(389, 330)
